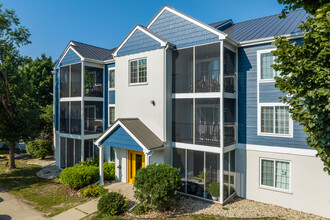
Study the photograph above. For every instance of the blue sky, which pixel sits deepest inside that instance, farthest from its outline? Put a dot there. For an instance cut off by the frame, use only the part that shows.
(105, 23)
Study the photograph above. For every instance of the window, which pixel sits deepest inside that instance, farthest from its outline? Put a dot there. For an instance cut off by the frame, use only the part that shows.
(265, 71)
(111, 115)
(112, 154)
(111, 79)
(275, 174)
(275, 120)
(138, 71)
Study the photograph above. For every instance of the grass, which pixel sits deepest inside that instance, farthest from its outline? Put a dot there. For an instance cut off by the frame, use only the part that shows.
(47, 196)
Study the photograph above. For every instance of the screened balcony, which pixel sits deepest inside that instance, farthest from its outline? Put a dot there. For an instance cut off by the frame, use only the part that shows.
(229, 68)
(70, 117)
(93, 82)
(204, 76)
(70, 81)
(93, 117)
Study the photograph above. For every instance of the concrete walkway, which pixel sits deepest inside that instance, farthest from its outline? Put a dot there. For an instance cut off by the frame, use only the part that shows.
(13, 208)
(90, 207)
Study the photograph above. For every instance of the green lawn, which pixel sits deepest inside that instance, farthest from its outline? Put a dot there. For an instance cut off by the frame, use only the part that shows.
(48, 196)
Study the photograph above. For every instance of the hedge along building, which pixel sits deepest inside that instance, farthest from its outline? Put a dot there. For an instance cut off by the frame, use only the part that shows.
(200, 97)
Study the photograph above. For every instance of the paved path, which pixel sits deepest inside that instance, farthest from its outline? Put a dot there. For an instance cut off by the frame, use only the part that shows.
(90, 207)
(13, 208)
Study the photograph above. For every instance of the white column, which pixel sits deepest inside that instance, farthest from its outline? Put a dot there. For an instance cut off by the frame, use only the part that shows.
(101, 164)
(221, 122)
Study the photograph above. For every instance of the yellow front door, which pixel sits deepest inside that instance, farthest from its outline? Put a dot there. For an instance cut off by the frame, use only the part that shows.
(135, 162)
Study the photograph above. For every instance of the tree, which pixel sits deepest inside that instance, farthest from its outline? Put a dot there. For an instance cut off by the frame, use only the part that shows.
(19, 113)
(309, 5)
(305, 80)
(38, 72)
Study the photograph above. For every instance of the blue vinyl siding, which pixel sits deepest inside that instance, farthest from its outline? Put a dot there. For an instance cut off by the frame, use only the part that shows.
(181, 32)
(70, 57)
(268, 93)
(56, 104)
(112, 97)
(247, 103)
(137, 43)
(120, 138)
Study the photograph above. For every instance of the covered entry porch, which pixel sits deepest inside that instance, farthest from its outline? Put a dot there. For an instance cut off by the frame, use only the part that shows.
(134, 145)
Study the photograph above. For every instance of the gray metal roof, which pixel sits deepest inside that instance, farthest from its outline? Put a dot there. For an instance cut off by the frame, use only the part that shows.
(140, 131)
(267, 26)
(92, 52)
(222, 25)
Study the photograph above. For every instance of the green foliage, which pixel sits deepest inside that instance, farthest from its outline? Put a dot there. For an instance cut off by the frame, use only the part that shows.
(109, 171)
(79, 176)
(157, 185)
(39, 148)
(140, 209)
(305, 79)
(21, 101)
(112, 203)
(214, 189)
(93, 191)
(308, 5)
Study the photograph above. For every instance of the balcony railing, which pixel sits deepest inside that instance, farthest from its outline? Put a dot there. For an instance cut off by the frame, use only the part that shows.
(182, 83)
(230, 134)
(207, 81)
(182, 132)
(229, 84)
(93, 126)
(70, 126)
(94, 90)
(206, 134)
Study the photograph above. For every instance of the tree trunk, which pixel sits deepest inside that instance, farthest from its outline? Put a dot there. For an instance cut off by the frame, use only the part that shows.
(11, 162)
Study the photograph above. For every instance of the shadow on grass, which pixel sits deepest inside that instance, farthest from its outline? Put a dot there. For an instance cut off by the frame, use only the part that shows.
(24, 176)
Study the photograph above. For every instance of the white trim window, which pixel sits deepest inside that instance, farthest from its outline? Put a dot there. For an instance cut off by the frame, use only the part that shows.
(275, 174)
(111, 115)
(111, 78)
(265, 59)
(138, 71)
(274, 120)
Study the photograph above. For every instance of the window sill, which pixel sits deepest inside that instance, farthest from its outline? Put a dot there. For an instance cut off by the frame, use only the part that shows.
(275, 189)
(276, 135)
(138, 84)
(266, 80)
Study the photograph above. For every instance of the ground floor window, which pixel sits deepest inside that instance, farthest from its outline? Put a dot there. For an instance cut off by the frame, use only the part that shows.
(112, 154)
(275, 174)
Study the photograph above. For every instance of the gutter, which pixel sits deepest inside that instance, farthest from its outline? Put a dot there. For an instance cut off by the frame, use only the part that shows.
(269, 39)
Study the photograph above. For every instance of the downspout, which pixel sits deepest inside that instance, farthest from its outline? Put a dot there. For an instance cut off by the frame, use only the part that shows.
(165, 98)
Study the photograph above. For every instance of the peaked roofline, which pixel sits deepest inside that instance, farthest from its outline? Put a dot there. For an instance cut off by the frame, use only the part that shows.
(151, 34)
(65, 51)
(221, 34)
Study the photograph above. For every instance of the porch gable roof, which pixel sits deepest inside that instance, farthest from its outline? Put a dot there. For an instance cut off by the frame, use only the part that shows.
(136, 130)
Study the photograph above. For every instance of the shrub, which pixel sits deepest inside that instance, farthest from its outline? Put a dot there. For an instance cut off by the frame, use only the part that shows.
(39, 148)
(157, 185)
(140, 209)
(109, 171)
(93, 191)
(79, 176)
(214, 189)
(112, 203)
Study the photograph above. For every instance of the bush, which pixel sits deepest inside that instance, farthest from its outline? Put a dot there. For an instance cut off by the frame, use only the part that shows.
(140, 209)
(112, 203)
(93, 191)
(109, 171)
(39, 148)
(157, 185)
(214, 189)
(79, 176)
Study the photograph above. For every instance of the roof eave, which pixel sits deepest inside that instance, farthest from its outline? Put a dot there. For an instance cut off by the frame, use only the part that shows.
(269, 39)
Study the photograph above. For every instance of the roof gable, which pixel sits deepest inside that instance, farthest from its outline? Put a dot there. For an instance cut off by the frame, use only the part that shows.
(183, 30)
(135, 129)
(140, 40)
(70, 56)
